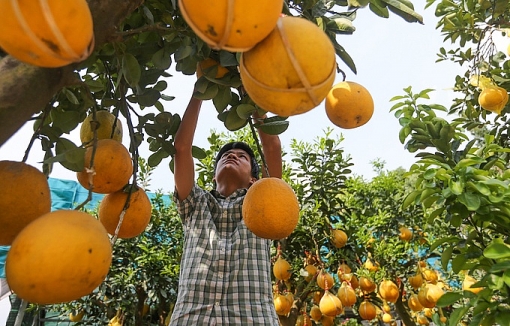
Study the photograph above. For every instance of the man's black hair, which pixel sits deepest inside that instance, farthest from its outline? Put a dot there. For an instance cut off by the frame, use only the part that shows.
(255, 170)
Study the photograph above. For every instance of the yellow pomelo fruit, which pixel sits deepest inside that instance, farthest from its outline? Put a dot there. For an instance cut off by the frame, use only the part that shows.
(24, 196)
(315, 313)
(429, 275)
(386, 307)
(271, 209)
(366, 284)
(338, 238)
(235, 26)
(282, 304)
(349, 105)
(325, 280)
(327, 321)
(208, 63)
(468, 282)
(292, 70)
(112, 167)
(343, 268)
(330, 305)
(46, 33)
(372, 266)
(346, 294)
(422, 320)
(429, 294)
(303, 320)
(386, 317)
(493, 99)
(414, 303)
(416, 281)
(136, 218)
(389, 291)
(367, 310)
(59, 257)
(106, 122)
(311, 270)
(282, 269)
(76, 317)
(354, 282)
(405, 234)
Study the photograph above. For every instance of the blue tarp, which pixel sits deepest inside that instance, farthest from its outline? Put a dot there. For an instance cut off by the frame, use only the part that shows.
(67, 194)
(3, 255)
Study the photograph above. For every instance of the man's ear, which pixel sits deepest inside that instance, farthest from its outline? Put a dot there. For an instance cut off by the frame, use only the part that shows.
(253, 180)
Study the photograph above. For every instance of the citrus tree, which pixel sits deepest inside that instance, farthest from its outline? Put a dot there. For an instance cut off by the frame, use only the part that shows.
(121, 69)
(461, 176)
(141, 286)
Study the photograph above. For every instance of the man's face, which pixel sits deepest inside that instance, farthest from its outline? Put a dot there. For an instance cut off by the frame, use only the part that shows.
(235, 161)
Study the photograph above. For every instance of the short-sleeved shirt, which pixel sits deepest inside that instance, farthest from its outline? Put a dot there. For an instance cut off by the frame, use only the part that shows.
(225, 275)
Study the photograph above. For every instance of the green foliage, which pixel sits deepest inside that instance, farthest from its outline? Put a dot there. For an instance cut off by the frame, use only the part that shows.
(463, 182)
(144, 270)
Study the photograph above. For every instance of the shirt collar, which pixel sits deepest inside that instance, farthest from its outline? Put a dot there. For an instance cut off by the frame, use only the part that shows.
(238, 193)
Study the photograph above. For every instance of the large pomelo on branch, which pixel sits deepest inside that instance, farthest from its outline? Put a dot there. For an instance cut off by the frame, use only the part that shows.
(46, 33)
(108, 127)
(112, 167)
(136, 217)
(292, 70)
(59, 257)
(231, 25)
(349, 105)
(271, 209)
(24, 197)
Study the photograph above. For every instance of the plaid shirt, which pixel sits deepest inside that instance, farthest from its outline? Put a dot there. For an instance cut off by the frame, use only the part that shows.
(225, 276)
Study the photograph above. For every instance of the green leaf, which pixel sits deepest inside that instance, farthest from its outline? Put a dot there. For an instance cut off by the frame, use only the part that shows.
(245, 111)
(497, 250)
(233, 121)
(198, 153)
(500, 267)
(410, 199)
(210, 92)
(446, 256)
(70, 96)
(441, 241)
(222, 99)
(402, 10)
(131, 69)
(183, 52)
(157, 157)
(449, 298)
(346, 58)
(274, 127)
(470, 200)
(457, 315)
(457, 187)
(469, 162)
(343, 25)
(379, 8)
(149, 97)
(161, 59)
(458, 263)
(506, 277)
(68, 155)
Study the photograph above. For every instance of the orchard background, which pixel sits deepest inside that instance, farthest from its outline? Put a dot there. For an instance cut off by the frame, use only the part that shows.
(454, 199)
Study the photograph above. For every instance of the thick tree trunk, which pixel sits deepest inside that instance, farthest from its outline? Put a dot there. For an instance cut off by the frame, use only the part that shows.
(25, 90)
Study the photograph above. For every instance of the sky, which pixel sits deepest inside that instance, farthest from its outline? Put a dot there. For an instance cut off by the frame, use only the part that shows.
(390, 54)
